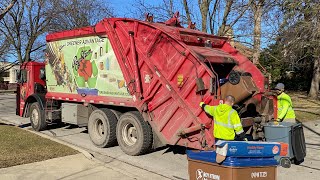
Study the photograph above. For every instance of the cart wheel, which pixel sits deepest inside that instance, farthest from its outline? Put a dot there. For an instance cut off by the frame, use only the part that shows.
(234, 77)
(102, 128)
(285, 162)
(37, 119)
(296, 162)
(134, 135)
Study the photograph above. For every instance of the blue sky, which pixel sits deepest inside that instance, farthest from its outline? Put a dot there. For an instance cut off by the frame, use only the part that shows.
(124, 8)
(120, 6)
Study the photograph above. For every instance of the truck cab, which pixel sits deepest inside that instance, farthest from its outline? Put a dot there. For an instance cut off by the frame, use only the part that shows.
(31, 86)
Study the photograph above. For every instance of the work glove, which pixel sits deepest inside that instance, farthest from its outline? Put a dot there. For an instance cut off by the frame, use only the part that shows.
(245, 139)
(276, 121)
(202, 104)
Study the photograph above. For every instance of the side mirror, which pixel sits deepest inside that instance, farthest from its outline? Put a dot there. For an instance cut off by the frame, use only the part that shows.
(18, 75)
(42, 74)
(24, 76)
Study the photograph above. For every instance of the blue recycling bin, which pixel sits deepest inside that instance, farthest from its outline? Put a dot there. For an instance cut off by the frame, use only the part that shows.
(244, 161)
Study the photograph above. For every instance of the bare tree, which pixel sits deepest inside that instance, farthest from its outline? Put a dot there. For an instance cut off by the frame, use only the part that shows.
(70, 14)
(162, 10)
(186, 8)
(227, 9)
(23, 25)
(27, 22)
(300, 35)
(257, 9)
(204, 10)
(6, 8)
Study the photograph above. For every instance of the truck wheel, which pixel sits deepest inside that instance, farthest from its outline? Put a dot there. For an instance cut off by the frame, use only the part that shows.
(134, 135)
(37, 119)
(102, 128)
(116, 113)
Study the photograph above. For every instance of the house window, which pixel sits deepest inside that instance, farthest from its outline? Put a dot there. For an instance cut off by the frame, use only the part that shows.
(5, 74)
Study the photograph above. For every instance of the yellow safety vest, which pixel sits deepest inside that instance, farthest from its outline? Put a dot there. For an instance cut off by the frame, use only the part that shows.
(285, 110)
(226, 121)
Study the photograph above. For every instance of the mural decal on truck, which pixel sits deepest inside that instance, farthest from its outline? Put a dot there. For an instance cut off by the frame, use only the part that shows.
(85, 71)
(86, 66)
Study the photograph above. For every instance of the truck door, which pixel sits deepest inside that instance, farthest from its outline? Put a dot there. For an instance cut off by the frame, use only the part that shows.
(22, 89)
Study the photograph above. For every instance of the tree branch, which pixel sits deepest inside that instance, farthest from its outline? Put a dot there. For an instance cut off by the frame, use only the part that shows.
(7, 9)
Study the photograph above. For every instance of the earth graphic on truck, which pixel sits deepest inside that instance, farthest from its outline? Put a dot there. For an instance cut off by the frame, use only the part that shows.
(85, 72)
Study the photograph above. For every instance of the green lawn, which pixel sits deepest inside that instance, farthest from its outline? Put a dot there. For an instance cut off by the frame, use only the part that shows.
(18, 146)
(305, 109)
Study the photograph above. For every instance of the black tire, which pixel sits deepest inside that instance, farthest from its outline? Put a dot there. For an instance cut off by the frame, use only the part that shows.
(234, 77)
(134, 135)
(116, 113)
(102, 128)
(37, 118)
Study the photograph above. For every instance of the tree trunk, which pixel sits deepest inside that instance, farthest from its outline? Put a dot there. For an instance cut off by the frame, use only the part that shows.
(212, 16)
(186, 8)
(257, 14)
(314, 89)
(227, 9)
(204, 9)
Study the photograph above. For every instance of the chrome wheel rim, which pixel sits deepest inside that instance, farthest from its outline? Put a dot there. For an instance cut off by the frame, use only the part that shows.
(129, 134)
(35, 117)
(99, 128)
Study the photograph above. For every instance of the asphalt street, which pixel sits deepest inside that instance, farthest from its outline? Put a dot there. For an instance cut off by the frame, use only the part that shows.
(168, 162)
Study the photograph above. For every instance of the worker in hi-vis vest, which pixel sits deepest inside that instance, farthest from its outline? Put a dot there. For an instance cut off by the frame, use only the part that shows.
(227, 123)
(285, 109)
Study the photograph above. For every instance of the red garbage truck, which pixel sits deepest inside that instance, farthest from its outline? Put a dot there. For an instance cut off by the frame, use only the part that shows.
(138, 84)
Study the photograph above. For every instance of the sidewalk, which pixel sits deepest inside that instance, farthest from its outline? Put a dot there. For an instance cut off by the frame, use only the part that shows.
(69, 167)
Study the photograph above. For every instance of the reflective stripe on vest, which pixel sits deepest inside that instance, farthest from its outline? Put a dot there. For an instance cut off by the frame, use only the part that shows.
(237, 125)
(289, 109)
(240, 132)
(229, 125)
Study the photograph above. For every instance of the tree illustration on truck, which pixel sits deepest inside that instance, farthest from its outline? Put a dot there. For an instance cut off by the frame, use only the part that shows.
(85, 71)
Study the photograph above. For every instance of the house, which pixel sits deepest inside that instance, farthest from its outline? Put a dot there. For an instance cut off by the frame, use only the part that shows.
(8, 75)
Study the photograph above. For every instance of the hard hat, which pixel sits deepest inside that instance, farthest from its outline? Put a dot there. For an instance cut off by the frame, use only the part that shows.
(280, 86)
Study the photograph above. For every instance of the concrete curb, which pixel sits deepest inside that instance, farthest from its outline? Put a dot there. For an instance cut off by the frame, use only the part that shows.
(84, 152)
(8, 91)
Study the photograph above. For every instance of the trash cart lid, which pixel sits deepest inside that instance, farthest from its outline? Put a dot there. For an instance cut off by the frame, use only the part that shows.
(279, 125)
(250, 148)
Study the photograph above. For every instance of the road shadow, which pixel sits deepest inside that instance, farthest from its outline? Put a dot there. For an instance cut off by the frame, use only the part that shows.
(318, 169)
(310, 112)
(58, 125)
(24, 125)
(175, 149)
(4, 124)
(309, 128)
(312, 144)
(313, 101)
